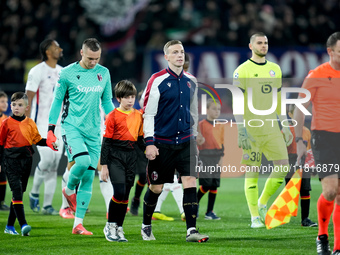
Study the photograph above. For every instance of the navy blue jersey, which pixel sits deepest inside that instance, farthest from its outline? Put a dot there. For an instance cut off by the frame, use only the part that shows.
(170, 107)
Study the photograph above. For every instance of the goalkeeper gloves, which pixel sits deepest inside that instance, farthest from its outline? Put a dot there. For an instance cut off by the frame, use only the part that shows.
(244, 138)
(51, 138)
(287, 135)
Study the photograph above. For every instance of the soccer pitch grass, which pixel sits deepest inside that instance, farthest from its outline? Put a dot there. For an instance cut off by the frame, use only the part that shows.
(230, 235)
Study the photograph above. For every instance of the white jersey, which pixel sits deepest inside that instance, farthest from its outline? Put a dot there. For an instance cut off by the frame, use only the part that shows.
(42, 80)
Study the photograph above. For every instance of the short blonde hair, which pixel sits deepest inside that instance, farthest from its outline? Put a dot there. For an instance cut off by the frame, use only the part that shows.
(170, 43)
(211, 101)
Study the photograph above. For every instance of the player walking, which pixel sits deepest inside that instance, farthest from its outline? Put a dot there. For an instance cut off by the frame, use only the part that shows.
(82, 86)
(262, 77)
(39, 88)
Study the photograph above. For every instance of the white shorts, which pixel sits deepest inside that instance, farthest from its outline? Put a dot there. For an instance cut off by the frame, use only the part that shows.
(49, 159)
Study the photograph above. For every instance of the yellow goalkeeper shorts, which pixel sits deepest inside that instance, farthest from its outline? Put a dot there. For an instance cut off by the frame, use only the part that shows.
(272, 146)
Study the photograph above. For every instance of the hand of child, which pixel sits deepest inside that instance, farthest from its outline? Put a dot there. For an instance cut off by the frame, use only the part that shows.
(301, 150)
(56, 144)
(287, 135)
(51, 140)
(104, 173)
(151, 152)
(200, 139)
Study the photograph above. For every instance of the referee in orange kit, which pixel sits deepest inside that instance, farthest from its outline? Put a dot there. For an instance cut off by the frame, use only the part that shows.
(324, 85)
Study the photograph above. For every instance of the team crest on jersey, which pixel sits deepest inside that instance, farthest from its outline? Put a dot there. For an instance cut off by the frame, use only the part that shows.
(189, 84)
(99, 76)
(69, 149)
(245, 156)
(236, 76)
(272, 73)
(154, 175)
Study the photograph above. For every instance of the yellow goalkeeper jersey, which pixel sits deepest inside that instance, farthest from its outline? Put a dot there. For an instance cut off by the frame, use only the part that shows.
(259, 82)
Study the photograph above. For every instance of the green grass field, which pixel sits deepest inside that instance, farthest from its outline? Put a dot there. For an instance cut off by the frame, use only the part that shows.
(230, 235)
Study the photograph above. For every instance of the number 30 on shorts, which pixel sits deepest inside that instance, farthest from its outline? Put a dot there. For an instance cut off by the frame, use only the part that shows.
(255, 156)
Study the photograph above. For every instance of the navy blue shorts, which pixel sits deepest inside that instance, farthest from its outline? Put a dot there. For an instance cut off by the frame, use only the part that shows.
(181, 157)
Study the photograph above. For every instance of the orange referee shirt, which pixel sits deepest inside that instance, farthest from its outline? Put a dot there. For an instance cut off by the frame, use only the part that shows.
(324, 85)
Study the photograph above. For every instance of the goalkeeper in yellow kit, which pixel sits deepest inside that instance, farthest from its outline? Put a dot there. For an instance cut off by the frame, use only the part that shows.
(258, 133)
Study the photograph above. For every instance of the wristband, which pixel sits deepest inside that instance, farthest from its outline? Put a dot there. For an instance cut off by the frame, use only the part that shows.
(297, 139)
(51, 127)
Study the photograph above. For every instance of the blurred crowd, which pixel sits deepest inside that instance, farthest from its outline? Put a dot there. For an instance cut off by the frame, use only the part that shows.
(25, 23)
